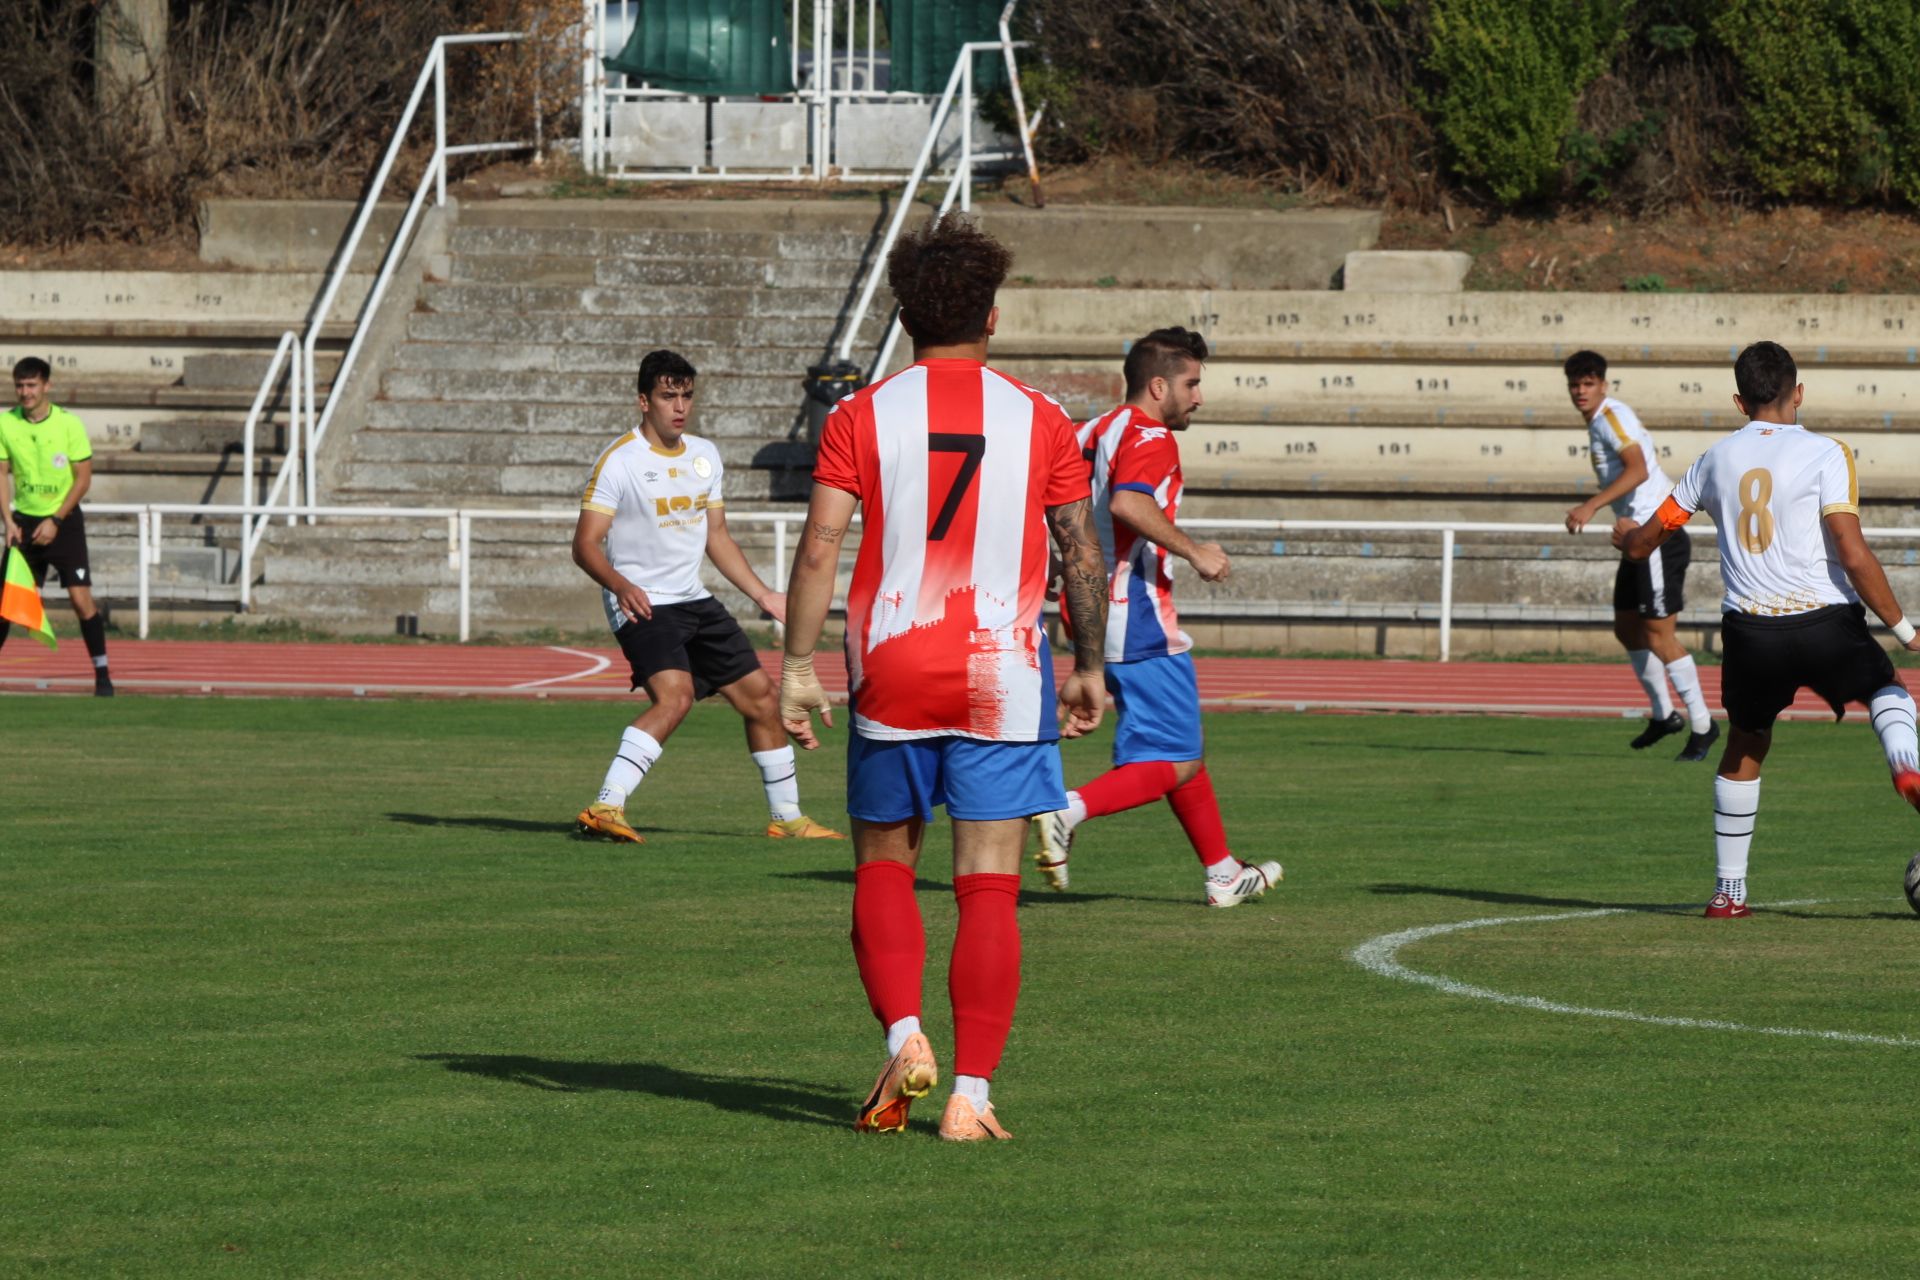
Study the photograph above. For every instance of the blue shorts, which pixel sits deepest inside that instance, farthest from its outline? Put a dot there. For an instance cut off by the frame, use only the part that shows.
(977, 781)
(1159, 704)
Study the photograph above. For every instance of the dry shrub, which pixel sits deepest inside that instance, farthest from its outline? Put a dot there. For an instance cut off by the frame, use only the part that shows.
(269, 97)
(1318, 92)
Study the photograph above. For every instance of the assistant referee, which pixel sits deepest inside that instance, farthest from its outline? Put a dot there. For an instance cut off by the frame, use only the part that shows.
(46, 467)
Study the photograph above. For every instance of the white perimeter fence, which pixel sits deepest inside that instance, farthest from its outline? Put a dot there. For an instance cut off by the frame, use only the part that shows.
(149, 518)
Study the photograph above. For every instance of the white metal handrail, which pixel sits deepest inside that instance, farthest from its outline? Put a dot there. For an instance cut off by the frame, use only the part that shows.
(959, 81)
(460, 522)
(309, 417)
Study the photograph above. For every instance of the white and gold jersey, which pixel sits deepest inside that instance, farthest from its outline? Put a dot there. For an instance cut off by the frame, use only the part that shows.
(659, 501)
(1610, 433)
(1768, 487)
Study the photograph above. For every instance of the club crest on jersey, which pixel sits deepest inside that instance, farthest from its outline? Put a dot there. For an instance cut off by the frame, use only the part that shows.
(702, 468)
(59, 461)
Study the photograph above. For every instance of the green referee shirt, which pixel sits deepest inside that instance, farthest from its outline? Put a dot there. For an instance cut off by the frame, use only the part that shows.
(42, 455)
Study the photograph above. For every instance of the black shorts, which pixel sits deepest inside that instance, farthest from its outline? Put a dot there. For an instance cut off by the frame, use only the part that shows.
(699, 637)
(1769, 660)
(66, 555)
(1655, 587)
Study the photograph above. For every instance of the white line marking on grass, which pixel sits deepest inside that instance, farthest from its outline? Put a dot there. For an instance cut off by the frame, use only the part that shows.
(599, 662)
(1381, 955)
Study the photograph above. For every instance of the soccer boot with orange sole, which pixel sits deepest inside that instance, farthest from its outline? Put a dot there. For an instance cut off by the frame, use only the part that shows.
(1248, 883)
(960, 1122)
(1907, 783)
(801, 828)
(606, 822)
(1725, 908)
(907, 1075)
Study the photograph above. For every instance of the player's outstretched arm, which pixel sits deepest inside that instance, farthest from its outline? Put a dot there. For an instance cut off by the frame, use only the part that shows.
(1139, 512)
(1865, 573)
(1083, 592)
(589, 533)
(731, 561)
(809, 596)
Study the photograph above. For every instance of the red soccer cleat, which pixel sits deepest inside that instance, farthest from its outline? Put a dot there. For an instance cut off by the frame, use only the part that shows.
(1907, 783)
(1724, 908)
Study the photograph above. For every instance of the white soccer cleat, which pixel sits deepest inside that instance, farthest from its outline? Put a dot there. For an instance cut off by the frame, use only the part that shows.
(1056, 840)
(1253, 879)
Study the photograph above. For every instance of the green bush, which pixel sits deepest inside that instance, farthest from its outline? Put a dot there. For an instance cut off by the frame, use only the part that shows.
(1831, 103)
(1511, 74)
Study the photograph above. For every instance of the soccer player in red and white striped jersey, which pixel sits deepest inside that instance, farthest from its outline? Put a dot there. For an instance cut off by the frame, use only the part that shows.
(1158, 750)
(960, 473)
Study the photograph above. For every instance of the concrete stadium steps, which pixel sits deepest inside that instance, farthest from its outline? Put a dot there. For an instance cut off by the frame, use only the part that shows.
(632, 300)
(638, 334)
(590, 357)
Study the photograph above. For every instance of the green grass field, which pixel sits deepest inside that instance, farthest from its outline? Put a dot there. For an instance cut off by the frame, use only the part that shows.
(325, 988)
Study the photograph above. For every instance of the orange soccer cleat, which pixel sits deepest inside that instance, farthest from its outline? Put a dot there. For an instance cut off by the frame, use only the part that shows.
(907, 1075)
(606, 822)
(961, 1123)
(1907, 783)
(801, 828)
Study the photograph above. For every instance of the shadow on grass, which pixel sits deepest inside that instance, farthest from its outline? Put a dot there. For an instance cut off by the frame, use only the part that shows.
(486, 822)
(530, 826)
(795, 1101)
(1504, 898)
(1028, 898)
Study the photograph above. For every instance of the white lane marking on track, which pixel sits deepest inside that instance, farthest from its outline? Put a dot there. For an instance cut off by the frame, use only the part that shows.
(1381, 956)
(600, 663)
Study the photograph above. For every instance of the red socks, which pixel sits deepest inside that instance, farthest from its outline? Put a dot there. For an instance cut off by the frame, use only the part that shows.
(1199, 813)
(984, 979)
(1127, 787)
(889, 942)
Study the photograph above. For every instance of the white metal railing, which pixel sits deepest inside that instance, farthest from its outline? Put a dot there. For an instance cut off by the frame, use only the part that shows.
(460, 522)
(959, 81)
(840, 73)
(309, 416)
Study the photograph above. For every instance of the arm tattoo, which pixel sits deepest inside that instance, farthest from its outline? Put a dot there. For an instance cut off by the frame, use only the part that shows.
(1084, 587)
(824, 531)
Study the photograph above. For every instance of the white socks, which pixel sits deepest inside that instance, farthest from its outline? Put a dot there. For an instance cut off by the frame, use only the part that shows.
(1224, 870)
(1892, 712)
(637, 754)
(1735, 806)
(779, 775)
(897, 1034)
(1653, 678)
(973, 1089)
(1076, 809)
(1686, 683)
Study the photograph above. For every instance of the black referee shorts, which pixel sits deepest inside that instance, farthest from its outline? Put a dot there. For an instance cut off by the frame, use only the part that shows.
(66, 555)
(1655, 587)
(699, 637)
(1769, 660)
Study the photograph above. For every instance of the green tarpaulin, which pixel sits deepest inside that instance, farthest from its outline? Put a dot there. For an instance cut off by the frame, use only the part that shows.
(710, 47)
(926, 36)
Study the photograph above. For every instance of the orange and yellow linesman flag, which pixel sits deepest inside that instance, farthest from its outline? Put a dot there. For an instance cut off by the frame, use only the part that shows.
(20, 600)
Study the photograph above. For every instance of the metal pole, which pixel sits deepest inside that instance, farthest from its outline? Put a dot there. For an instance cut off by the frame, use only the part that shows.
(1446, 595)
(966, 132)
(142, 520)
(1020, 105)
(780, 568)
(466, 577)
(440, 120)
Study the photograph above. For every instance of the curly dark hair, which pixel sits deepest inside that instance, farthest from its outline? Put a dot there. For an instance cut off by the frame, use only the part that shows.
(944, 277)
(665, 366)
(1161, 354)
(1765, 374)
(1585, 364)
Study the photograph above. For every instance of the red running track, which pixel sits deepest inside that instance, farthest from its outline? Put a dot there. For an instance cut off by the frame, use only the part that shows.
(445, 670)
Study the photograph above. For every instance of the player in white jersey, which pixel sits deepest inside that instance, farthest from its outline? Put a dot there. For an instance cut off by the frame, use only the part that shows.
(1786, 504)
(1647, 594)
(654, 500)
